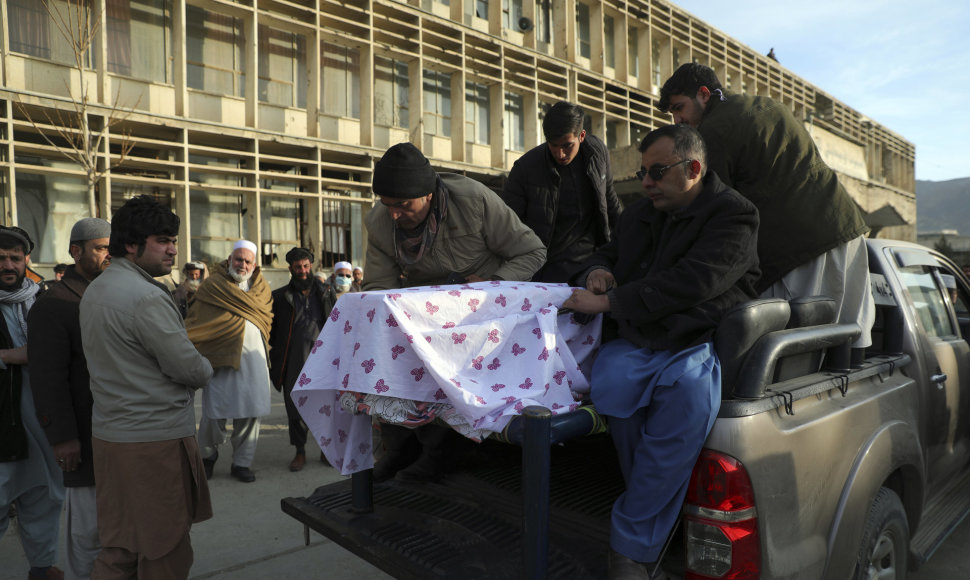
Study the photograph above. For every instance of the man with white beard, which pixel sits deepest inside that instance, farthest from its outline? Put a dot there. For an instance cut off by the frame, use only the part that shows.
(229, 322)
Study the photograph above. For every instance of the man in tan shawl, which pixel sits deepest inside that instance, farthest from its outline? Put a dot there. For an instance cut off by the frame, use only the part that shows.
(229, 322)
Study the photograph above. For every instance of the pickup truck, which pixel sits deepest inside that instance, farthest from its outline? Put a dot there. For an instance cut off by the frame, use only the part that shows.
(824, 462)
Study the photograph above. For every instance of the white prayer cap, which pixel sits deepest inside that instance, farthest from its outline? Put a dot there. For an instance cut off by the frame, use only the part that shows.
(246, 244)
(342, 266)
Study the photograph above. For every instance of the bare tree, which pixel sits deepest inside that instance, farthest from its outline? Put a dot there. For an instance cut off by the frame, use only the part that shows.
(70, 132)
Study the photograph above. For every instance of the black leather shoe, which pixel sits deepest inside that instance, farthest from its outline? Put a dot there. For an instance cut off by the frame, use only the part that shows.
(623, 568)
(243, 474)
(209, 464)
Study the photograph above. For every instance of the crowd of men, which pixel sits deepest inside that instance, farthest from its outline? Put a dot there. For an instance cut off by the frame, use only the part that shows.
(736, 204)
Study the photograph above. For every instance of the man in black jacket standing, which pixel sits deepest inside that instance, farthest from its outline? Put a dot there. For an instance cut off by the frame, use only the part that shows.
(29, 476)
(682, 256)
(62, 391)
(563, 190)
(299, 311)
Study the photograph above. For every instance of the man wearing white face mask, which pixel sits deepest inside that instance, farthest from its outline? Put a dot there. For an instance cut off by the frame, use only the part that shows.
(342, 278)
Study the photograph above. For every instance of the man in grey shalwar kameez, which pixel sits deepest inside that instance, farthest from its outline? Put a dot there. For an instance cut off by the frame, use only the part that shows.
(229, 322)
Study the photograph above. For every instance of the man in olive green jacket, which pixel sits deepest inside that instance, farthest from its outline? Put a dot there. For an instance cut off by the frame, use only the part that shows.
(437, 229)
(428, 227)
(811, 240)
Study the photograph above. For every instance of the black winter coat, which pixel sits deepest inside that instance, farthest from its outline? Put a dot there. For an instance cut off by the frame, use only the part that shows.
(59, 378)
(532, 189)
(13, 434)
(288, 352)
(677, 273)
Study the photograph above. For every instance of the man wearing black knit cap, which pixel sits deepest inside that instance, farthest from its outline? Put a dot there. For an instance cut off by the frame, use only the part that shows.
(299, 311)
(429, 228)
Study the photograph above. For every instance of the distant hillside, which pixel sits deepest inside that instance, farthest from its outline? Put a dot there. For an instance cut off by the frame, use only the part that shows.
(943, 205)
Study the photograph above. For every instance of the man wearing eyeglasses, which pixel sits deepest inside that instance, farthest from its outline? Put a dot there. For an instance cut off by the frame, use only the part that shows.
(812, 235)
(431, 228)
(681, 257)
(563, 190)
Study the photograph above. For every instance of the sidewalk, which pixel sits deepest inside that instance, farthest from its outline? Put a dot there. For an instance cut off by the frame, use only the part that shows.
(249, 537)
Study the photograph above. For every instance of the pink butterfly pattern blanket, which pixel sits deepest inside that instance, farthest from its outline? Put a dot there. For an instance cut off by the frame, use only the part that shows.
(473, 355)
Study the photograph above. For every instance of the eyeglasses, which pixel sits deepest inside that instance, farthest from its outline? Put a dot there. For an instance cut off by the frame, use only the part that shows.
(656, 172)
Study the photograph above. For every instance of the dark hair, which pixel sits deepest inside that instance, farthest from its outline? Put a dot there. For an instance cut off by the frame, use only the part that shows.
(688, 143)
(60, 268)
(139, 218)
(562, 119)
(687, 80)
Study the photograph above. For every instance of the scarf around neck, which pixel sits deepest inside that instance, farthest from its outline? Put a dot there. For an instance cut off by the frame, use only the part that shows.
(411, 245)
(217, 317)
(24, 296)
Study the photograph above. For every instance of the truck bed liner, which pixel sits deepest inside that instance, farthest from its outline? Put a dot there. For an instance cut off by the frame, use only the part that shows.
(442, 530)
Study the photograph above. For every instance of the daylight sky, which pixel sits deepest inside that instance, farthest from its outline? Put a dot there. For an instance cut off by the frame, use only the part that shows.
(904, 64)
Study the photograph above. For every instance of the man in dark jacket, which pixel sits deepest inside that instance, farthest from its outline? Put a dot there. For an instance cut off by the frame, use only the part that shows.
(29, 476)
(812, 236)
(680, 258)
(563, 190)
(299, 311)
(62, 394)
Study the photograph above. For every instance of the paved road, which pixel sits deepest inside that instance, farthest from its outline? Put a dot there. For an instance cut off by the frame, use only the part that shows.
(250, 538)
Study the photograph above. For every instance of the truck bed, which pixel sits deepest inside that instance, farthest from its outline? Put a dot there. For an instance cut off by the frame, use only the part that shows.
(443, 530)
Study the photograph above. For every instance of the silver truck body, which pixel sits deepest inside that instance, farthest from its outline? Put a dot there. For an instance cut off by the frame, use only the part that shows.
(819, 448)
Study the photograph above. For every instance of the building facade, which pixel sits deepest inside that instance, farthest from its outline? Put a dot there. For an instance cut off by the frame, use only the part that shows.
(262, 119)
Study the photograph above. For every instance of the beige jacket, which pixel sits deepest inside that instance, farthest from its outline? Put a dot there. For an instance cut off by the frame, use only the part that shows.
(144, 370)
(480, 235)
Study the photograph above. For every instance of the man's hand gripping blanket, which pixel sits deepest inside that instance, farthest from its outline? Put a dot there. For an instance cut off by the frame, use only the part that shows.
(473, 355)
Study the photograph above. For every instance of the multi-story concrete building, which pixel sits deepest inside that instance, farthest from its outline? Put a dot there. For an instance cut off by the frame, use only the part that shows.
(263, 118)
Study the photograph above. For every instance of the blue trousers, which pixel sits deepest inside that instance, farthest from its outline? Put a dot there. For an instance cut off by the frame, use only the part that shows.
(661, 407)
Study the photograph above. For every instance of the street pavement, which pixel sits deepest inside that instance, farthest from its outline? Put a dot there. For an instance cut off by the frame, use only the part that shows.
(249, 537)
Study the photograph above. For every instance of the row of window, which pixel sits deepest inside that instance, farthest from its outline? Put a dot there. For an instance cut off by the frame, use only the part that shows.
(49, 204)
(139, 35)
(139, 38)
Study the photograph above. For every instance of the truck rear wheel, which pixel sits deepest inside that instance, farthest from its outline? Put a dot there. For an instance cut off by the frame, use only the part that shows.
(885, 541)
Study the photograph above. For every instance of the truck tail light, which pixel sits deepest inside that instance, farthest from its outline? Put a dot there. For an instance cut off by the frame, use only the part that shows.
(721, 532)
